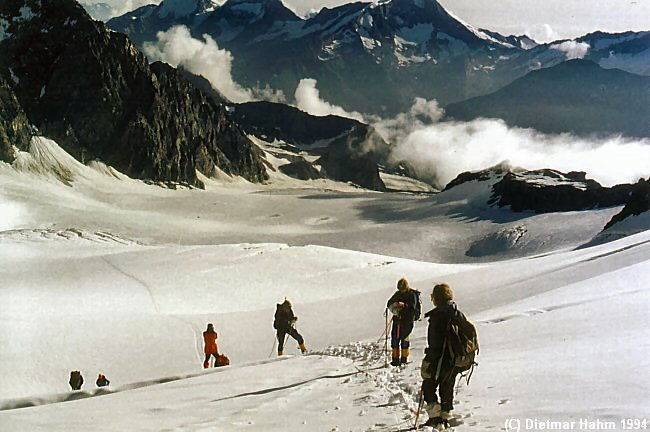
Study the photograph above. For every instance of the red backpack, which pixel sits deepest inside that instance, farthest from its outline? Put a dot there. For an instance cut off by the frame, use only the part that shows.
(222, 360)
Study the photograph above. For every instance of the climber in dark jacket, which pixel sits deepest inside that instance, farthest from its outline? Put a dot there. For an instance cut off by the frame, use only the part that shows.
(438, 370)
(284, 323)
(402, 305)
(102, 381)
(76, 380)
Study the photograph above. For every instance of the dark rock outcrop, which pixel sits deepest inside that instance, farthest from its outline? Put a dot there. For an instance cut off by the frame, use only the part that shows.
(205, 86)
(271, 121)
(301, 170)
(346, 160)
(93, 92)
(482, 175)
(546, 191)
(15, 130)
(351, 151)
(637, 203)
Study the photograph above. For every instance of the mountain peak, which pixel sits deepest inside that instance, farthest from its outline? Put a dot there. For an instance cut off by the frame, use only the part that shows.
(181, 8)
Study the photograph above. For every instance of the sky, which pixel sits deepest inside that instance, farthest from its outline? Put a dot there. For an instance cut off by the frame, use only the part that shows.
(544, 20)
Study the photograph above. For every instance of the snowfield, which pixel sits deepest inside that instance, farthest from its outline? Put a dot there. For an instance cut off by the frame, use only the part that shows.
(109, 275)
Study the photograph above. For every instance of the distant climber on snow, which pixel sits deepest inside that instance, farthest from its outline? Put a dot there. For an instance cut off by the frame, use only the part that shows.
(452, 346)
(76, 380)
(284, 323)
(102, 381)
(405, 307)
(210, 349)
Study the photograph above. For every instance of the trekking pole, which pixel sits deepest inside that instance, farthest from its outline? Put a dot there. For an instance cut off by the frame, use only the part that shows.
(417, 413)
(399, 342)
(386, 339)
(275, 340)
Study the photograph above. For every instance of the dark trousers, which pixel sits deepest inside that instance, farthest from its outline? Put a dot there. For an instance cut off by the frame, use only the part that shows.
(445, 386)
(399, 334)
(207, 357)
(291, 332)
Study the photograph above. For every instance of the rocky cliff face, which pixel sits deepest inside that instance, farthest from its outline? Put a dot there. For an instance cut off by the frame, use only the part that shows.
(545, 191)
(270, 121)
(638, 203)
(93, 92)
(353, 158)
(14, 126)
(349, 150)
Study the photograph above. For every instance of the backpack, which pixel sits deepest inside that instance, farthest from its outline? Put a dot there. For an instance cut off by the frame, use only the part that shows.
(222, 360)
(277, 317)
(418, 305)
(462, 343)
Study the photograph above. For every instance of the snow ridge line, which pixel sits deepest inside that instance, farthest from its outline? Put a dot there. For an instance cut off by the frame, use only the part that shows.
(139, 281)
(288, 386)
(546, 309)
(196, 335)
(33, 401)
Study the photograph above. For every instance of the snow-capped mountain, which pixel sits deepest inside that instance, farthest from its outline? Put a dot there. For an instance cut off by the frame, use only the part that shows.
(359, 51)
(628, 51)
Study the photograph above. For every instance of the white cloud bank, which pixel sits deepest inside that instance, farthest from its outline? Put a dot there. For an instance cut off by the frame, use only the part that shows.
(308, 99)
(439, 151)
(177, 47)
(574, 50)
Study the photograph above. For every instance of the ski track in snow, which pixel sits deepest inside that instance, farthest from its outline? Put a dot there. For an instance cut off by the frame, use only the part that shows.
(139, 281)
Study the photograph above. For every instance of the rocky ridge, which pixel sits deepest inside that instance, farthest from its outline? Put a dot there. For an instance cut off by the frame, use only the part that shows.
(547, 190)
(93, 92)
(15, 131)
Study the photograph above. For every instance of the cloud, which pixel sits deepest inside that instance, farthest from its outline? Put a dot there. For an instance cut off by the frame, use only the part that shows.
(177, 47)
(421, 114)
(308, 99)
(573, 49)
(439, 151)
(113, 8)
(540, 32)
(268, 94)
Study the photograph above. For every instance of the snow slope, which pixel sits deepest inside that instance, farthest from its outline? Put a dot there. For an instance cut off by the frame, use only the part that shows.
(105, 274)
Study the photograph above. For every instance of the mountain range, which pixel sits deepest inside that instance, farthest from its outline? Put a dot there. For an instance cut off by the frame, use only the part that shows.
(155, 122)
(376, 57)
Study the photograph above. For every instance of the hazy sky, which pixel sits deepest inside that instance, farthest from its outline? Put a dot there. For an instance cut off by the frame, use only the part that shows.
(545, 20)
